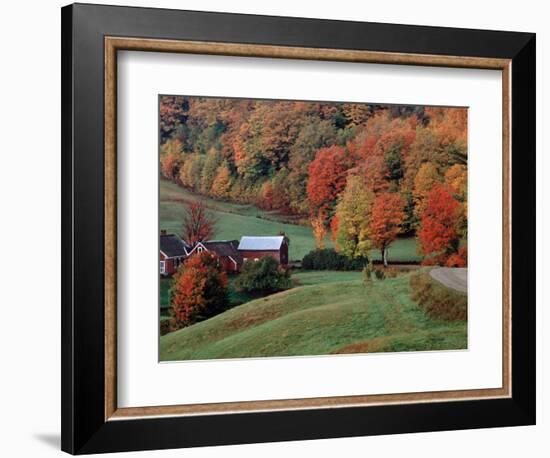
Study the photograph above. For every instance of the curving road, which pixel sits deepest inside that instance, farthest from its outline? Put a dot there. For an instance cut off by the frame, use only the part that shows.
(452, 277)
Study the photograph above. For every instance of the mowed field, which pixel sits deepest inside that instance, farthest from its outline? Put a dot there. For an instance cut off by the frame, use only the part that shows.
(236, 220)
(326, 313)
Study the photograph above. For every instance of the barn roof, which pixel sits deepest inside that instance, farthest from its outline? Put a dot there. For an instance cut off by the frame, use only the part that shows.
(224, 248)
(172, 246)
(261, 243)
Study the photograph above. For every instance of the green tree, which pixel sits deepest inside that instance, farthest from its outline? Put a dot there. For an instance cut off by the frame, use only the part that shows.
(209, 170)
(263, 276)
(394, 163)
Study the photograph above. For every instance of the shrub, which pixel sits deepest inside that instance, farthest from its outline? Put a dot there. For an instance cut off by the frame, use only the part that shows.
(330, 259)
(391, 272)
(367, 273)
(263, 276)
(436, 300)
(165, 326)
(199, 290)
(379, 274)
(459, 259)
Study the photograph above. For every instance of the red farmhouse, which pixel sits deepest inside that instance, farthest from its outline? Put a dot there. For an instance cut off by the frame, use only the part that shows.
(254, 248)
(226, 250)
(173, 251)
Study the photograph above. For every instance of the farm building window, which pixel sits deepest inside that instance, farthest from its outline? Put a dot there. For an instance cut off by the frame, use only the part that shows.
(199, 249)
(162, 270)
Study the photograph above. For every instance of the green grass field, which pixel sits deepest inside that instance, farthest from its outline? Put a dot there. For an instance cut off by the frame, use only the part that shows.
(299, 278)
(236, 220)
(333, 312)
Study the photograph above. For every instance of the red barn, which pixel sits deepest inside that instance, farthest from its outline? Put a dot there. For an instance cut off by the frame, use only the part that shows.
(254, 248)
(173, 252)
(226, 250)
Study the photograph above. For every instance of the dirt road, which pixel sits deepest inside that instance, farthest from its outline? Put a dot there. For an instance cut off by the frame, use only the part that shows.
(452, 277)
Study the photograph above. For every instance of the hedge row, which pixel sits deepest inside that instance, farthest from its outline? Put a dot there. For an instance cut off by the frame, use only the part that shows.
(436, 300)
(329, 259)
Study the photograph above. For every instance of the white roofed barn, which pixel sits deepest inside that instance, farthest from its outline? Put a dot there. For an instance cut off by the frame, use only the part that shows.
(254, 248)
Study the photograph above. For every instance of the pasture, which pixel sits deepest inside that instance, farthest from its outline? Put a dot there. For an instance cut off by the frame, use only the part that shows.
(326, 313)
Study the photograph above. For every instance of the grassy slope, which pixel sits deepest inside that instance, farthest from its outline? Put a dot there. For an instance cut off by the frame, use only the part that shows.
(338, 315)
(300, 278)
(235, 220)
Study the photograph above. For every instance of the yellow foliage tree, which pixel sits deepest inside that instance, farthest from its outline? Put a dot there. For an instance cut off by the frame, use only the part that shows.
(318, 224)
(222, 183)
(353, 211)
(424, 181)
(456, 179)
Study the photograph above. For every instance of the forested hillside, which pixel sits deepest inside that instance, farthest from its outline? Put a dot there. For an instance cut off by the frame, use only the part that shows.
(364, 174)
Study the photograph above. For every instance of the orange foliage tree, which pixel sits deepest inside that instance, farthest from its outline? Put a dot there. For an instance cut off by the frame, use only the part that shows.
(458, 259)
(327, 178)
(438, 226)
(386, 217)
(198, 224)
(199, 290)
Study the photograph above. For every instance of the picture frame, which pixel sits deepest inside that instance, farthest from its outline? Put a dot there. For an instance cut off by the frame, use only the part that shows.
(92, 35)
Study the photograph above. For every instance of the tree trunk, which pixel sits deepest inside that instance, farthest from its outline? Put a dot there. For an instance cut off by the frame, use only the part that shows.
(385, 256)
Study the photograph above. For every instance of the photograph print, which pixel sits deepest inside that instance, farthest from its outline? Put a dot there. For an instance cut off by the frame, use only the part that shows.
(303, 228)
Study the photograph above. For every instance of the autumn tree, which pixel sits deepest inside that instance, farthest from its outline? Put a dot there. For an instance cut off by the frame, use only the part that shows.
(198, 224)
(375, 173)
(458, 259)
(295, 157)
(357, 113)
(386, 217)
(394, 163)
(426, 178)
(266, 196)
(438, 226)
(213, 160)
(281, 197)
(314, 135)
(327, 179)
(222, 182)
(250, 160)
(334, 224)
(456, 179)
(171, 155)
(353, 211)
(190, 170)
(319, 227)
(172, 114)
(199, 290)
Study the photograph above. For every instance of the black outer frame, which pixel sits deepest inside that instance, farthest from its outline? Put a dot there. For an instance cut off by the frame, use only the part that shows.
(84, 429)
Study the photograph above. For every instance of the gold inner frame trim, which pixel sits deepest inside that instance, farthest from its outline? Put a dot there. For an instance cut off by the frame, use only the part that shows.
(114, 44)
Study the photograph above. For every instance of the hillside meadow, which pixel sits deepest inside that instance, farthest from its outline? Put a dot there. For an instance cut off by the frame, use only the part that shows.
(328, 313)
